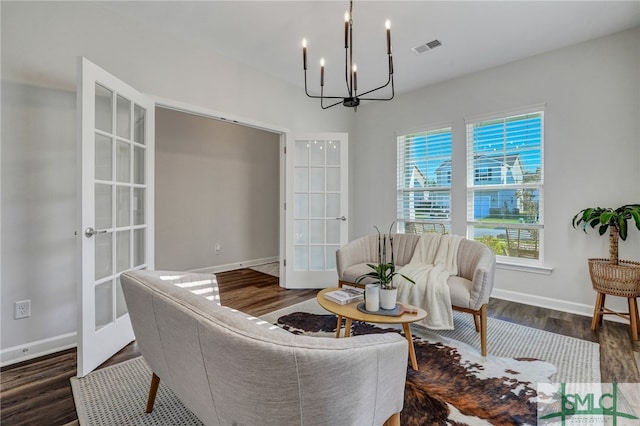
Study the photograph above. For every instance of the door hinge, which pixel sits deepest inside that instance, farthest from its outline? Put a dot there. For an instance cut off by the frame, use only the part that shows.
(285, 206)
(284, 263)
(285, 149)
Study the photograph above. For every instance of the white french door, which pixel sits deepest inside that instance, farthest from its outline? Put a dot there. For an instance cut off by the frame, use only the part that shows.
(317, 208)
(116, 148)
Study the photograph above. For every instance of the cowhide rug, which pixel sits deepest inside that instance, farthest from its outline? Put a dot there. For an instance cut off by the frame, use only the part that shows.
(454, 384)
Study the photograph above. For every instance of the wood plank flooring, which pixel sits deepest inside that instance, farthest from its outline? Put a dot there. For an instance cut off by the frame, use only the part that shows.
(38, 392)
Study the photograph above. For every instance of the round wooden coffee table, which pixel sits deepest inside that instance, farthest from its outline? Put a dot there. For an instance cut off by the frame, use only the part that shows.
(350, 312)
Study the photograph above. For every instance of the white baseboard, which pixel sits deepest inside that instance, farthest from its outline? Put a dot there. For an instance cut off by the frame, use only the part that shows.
(38, 348)
(546, 302)
(237, 265)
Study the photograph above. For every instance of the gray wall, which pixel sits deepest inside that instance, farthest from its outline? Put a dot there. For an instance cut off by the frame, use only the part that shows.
(41, 42)
(216, 183)
(592, 153)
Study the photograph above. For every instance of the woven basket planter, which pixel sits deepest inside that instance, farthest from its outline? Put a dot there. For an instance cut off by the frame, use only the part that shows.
(617, 280)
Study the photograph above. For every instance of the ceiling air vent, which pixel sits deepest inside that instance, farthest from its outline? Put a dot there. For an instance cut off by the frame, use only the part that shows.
(427, 46)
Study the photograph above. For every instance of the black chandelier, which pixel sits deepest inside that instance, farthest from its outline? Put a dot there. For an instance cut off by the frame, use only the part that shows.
(352, 99)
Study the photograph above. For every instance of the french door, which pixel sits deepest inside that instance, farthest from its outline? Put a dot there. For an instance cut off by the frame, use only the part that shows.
(116, 148)
(316, 208)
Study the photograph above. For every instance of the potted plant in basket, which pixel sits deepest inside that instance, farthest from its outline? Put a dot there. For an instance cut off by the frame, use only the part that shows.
(621, 276)
(384, 271)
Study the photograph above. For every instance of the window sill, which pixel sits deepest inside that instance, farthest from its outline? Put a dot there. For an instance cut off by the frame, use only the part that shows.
(523, 267)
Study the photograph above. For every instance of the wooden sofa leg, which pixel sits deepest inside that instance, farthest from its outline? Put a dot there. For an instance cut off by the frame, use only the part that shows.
(394, 420)
(483, 330)
(153, 389)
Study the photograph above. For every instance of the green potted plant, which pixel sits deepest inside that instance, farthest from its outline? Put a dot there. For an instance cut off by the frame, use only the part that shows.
(384, 271)
(612, 276)
(615, 220)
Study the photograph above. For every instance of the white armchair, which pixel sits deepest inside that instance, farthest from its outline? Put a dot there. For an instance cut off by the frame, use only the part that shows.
(470, 289)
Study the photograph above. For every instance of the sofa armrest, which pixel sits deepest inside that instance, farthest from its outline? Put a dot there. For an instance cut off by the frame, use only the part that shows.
(353, 253)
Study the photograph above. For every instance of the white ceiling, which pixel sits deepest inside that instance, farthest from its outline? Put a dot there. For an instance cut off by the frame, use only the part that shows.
(475, 35)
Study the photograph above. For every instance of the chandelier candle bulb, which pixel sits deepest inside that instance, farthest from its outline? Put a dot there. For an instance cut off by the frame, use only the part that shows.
(304, 53)
(346, 30)
(355, 78)
(387, 25)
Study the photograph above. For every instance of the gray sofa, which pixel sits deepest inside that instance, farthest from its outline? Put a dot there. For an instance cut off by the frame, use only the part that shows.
(232, 369)
(469, 290)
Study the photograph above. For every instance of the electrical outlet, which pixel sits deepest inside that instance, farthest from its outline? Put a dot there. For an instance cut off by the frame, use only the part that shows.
(218, 248)
(22, 309)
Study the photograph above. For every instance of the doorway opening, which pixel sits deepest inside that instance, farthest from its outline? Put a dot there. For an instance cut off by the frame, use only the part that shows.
(218, 190)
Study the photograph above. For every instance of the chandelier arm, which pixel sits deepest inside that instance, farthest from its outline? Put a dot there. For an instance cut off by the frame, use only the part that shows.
(381, 99)
(390, 80)
(325, 97)
(349, 68)
(305, 84)
(329, 106)
(322, 97)
(316, 96)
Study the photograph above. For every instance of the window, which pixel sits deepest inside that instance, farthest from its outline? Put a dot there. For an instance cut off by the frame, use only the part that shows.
(424, 181)
(505, 183)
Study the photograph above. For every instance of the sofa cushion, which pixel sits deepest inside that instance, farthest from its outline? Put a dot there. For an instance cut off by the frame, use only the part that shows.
(460, 291)
(352, 273)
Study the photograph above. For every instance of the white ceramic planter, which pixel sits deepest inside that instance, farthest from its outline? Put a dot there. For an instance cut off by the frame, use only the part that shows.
(388, 298)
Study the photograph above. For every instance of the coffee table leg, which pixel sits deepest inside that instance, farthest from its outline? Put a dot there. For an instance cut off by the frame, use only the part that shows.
(347, 327)
(412, 351)
(338, 326)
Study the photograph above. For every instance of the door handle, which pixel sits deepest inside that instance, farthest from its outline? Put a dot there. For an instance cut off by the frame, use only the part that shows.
(342, 218)
(90, 232)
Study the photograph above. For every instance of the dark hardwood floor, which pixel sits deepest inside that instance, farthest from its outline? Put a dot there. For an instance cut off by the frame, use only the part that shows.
(38, 392)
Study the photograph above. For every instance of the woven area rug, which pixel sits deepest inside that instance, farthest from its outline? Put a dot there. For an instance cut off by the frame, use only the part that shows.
(117, 395)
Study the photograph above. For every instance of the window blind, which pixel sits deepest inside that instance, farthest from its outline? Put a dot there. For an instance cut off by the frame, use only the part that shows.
(424, 177)
(505, 176)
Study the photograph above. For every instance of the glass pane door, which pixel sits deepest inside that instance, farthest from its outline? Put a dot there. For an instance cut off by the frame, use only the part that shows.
(119, 208)
(116, 177)
(316, 183)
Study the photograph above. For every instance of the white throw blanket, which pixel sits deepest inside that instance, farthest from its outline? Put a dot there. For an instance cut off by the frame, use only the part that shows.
(434, 261)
